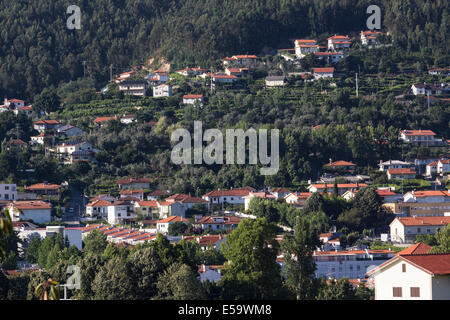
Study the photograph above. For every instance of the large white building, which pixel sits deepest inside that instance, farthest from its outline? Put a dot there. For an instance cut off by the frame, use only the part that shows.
(351, 264)
(120, 212)
(405, 229)
(37, 211)
(162, 90)
(8, 192)
(413, 277)
(74, 235)
(233, 196)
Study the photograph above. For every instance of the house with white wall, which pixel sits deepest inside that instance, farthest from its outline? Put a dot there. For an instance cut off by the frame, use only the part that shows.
(405, 229)
(413, 277)
(37, 211)
(8, 191)
(162, 90)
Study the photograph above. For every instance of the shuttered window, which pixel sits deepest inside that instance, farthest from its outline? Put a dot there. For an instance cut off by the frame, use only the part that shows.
(397, 292)
(404, 267)
(415, 292)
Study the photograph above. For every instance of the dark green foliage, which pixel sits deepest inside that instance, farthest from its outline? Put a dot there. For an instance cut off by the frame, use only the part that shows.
(177, 228)
(95, 242)
(300, 266)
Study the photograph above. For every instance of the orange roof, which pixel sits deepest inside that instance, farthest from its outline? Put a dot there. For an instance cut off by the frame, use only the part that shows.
(31, 205)
(340, 163)
(429, 193)
(424, 221)
(103, 119)
(99, 203)
(132, 192)
(44, 186)
(418, 133)
(323, 70)
(418, 248)
(401, 171)
(385, 192)
(170, 219)
(245, 56)
(338, 38)
(341, 185)
(192, 96)
(147, 204)
(232, 192)
(349, 252)
(305, 41)
(431, 263)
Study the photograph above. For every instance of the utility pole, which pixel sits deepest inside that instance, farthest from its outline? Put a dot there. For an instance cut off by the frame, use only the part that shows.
(110, 72)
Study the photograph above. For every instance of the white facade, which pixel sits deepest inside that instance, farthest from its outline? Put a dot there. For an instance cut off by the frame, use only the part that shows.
(402, 280)
(348, 264)
(74, 235)
(39, 214)
(162, 90)
(401, 233)
(119, 212)
(8, 192)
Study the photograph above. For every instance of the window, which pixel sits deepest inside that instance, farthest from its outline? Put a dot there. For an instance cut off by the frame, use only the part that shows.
(418, 230)
(397, 292)
(6, 187)
(415, 292)
(404, 267)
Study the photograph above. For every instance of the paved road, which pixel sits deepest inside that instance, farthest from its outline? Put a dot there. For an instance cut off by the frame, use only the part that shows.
(77, 202)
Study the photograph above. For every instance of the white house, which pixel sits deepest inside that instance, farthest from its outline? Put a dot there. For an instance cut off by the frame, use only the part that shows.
(162, 90)
(136, 88)
(120, 211)
(233, 196)
(407, 173)
(332, 57)
(323, 73)
(8, 192)
(413, 277)
(69, 131)
(369, 37)
(37, 211)
(425, 89)
(275, 81)
(352, 264)
(98, 208)
(297, 199)
(304, 47)
(338, 43)
(393, 164)
(44, 125)
(128, 118)
(209, 273)
(224, 78)
(192, 99)
(162, 226)
(170, 208)
(405, 229)
(73, 234)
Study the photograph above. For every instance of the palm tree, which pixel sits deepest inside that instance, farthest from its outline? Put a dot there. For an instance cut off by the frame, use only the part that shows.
(5, 230)
(52, 293)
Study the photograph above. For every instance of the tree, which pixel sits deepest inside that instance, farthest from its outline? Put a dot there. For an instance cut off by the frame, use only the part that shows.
(47, 290)
(5, 231)
(363, 293)
(264, 208)
(252, 272)
(177, 228)
(47, 100)
(113, 281)
(90, 266)
(340, 289)
(443, 241)
(179, 282)
(300, 266)
(314, 203)
(95, 242)
(145, 266)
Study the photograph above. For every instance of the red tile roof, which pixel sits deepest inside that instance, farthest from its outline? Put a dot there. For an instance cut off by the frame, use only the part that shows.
(104, 119)
(340, 185)
(323, 70)
(147, 204)
(428, 193)
(431, 263)
(192, 96)
(170, 219)
(99, 203)
(418, 133)
(232, 192)
(31, 205)
(418, 248)
(340, 163)
(44, 186)
(401, 171)
(424, 221)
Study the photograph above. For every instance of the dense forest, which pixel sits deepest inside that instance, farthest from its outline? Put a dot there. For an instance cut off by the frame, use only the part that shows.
(37, 50)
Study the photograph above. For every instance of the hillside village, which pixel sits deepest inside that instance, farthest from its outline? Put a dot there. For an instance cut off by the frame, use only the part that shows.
(409, 194)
